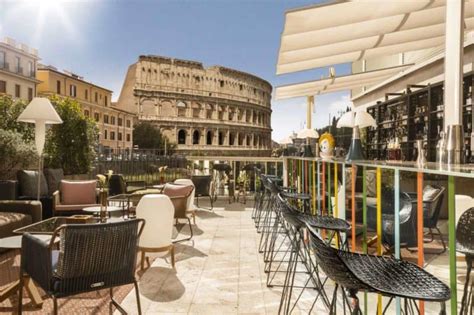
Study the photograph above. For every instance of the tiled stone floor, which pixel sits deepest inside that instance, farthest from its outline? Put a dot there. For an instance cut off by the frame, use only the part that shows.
(221, 272)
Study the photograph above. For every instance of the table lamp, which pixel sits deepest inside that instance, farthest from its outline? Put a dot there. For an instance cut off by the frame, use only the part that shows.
(40, 112)
(356, 121)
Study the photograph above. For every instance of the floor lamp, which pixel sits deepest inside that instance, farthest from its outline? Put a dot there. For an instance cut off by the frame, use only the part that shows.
(356, 121)
(40, 112)
(308, 134)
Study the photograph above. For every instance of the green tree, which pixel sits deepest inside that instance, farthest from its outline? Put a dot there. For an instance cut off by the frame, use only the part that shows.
(72, 144)
(15, 153)
(9, 112)
(148, 136)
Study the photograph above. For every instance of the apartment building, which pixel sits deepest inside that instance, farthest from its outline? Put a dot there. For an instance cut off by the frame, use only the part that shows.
(115, 125)
(18, 64)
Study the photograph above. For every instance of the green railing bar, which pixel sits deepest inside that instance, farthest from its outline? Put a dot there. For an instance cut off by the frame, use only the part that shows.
(364, 224)
(452, 244)
(342, 205)
(318, 192)
(396, 185)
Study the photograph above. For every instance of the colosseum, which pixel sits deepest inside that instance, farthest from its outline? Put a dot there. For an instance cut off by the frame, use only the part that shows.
(214, 111)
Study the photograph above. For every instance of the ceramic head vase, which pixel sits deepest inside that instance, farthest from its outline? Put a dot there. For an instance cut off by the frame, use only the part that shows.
(326, 145)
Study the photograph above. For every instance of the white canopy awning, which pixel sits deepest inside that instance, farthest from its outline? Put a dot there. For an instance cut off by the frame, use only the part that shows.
(347, 31)
(335, 84)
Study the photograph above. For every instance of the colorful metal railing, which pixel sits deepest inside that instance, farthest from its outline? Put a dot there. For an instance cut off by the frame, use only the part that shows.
(313, 175)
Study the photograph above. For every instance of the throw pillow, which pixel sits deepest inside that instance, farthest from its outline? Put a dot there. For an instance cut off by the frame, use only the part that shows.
(54, 176)
(28, 181)
(81, 192)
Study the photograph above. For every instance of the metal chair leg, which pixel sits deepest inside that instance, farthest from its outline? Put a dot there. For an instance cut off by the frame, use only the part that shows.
(137, 293)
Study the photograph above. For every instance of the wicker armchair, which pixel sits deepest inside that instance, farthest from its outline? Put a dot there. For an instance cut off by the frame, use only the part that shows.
(90, 257)
(202, 186)
(377, 274)
(191, 207)
(465, 245)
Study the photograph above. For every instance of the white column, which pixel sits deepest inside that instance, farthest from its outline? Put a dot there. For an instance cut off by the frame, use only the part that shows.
(453, 62)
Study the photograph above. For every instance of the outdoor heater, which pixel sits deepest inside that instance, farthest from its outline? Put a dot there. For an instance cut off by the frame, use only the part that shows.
(356, 121)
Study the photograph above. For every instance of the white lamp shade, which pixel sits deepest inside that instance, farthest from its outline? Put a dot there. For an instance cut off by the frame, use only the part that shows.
(40, 109)
(346, 120)
(287, 140)
(307, 133)
(364, 119)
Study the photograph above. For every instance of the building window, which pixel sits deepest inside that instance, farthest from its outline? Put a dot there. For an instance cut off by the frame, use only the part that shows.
(129, 123)
(96, 117)
(209, 137)
(17, 90)
(105, 134)
(112, 120)
(86, 94)
(181, 109)
(106, 119)
(3, 86)
(72, 90)
(30, 94)
(112, 135)
(3, 58)
(128, 137)
(18, 65)
(182, 136)
(31, 70)
(106, 101)
(119, 136)
(119, 121)
(86, 113)
(222, 83)
(96, 97)
(231, 138)
(196, 137)
(58, 87)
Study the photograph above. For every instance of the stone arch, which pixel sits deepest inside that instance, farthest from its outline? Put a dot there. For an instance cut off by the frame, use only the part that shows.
(196, 137)
(181, 108)
(148, 107)
(209, 137)
(182, 136)
(167, 109)
(221, 138)
(248, 140)
(231, 138)
(241, 139)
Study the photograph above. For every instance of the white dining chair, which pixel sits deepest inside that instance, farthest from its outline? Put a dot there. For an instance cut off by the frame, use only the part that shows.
(158, 212)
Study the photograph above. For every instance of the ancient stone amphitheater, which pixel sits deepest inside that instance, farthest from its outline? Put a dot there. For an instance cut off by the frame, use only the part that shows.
(213, 111)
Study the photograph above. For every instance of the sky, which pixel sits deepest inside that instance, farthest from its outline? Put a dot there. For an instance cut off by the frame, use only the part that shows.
(99, 39)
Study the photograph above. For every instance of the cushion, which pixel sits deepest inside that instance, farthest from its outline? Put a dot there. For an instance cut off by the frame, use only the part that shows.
(60, 208)
(10, 221)
(429, 192)
(28, 181)
(78, 192)
(172, 190)
(53, 178)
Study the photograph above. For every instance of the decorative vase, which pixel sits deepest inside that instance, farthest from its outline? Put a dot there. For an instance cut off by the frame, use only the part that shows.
(103, 194)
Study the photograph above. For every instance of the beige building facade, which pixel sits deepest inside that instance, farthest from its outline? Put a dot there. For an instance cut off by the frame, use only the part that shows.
(115, 125)
(18, 64)
(211, 111)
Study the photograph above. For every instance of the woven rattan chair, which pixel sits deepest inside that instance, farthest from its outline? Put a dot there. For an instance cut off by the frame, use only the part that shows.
(465, 245)
(90, 257)
(180, 195)
(377, 274)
